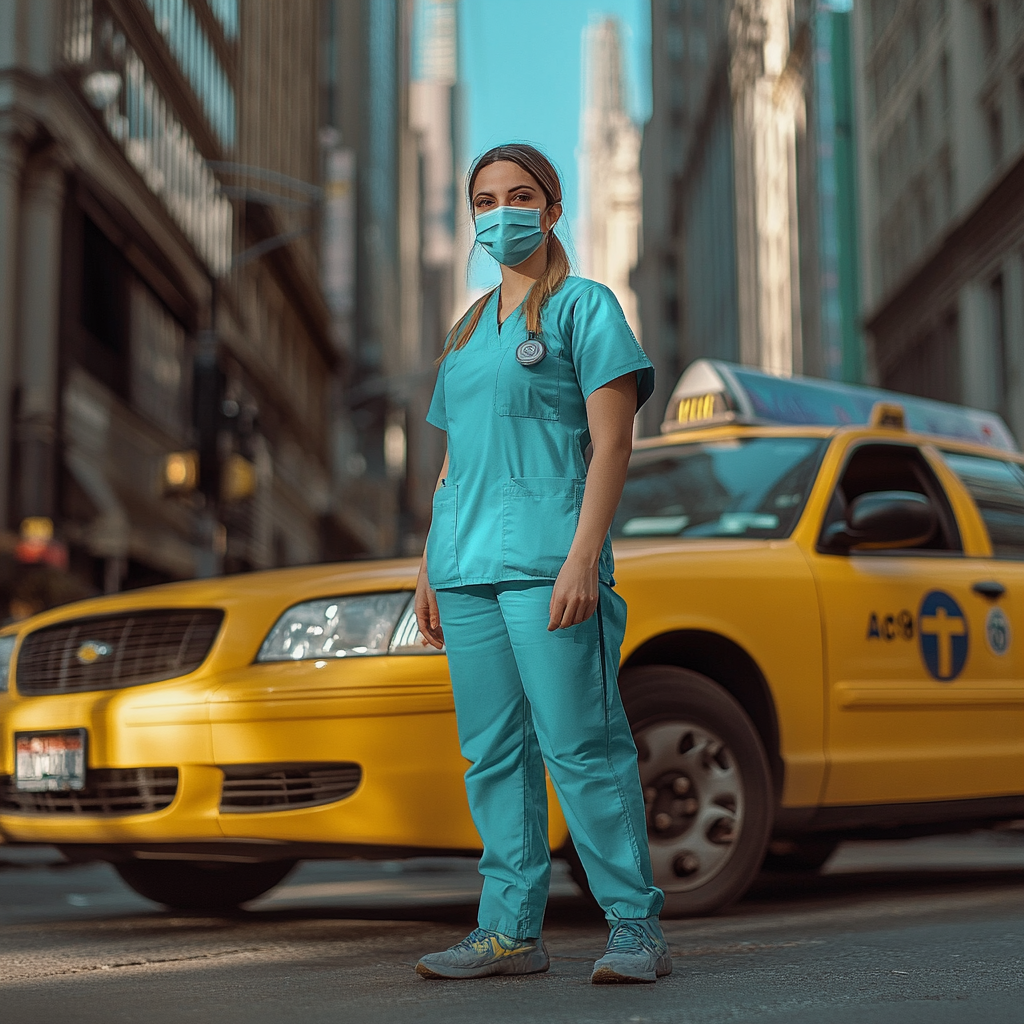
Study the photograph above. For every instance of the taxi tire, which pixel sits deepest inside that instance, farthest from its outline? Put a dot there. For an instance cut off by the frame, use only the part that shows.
(663, 693)
(212, 887)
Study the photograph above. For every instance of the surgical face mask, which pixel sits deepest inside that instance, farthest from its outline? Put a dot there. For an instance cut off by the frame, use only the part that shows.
(510, 234)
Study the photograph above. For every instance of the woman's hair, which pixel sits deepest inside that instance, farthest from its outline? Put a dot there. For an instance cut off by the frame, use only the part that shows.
(535, 163)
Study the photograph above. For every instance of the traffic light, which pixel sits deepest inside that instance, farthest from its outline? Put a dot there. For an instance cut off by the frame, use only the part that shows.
(238, 478)
(180, 472)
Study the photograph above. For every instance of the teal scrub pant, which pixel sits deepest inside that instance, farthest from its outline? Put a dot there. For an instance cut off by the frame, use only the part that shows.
(526, 697)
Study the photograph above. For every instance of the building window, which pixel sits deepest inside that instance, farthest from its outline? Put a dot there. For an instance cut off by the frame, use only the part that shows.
(674, 45)
(103, 343)
(997, 339)
(881, 12)
(924, 211)
(946, 183)
(989, 28)
(1020, 102)
(144, 124)
(920, 123)
(186, 39)
(226, 12)
(159, 384)
(994, 125)
(930, 367)
(915, 31)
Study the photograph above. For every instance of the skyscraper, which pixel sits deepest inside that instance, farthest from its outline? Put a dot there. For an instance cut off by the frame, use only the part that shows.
(736, 200)
(392, 99)
(609, 169)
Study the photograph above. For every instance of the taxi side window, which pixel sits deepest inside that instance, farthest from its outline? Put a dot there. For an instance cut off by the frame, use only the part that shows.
(883, 467)
(997, 488)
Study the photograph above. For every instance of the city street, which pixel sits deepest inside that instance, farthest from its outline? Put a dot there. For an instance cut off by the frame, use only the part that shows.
(927, 930)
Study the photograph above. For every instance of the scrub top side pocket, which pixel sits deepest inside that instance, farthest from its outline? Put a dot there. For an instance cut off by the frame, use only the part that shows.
(538, 522)
(528, 391)
(442, 553)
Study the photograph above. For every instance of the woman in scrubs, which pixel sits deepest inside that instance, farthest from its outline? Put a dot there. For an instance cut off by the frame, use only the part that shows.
(517, 575)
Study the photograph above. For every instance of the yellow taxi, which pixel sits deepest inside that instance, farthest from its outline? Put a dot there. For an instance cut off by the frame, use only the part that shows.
(825, 639)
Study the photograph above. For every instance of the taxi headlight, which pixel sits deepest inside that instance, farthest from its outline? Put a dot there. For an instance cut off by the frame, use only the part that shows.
(339, 627)
(6, 653)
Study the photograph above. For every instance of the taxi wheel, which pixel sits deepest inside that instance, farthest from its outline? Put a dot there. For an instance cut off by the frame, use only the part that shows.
(189, 885)
(707, 787)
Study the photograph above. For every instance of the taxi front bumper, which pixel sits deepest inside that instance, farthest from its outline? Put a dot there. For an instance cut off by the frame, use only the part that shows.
(382, 735)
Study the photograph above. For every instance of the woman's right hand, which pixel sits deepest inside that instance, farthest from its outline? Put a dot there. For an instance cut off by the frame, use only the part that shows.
(427, 616)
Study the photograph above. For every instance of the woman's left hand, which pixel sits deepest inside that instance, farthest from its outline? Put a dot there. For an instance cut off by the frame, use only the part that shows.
(575, 594)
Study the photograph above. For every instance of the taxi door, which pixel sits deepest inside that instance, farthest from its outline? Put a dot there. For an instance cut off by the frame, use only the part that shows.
(922, 697)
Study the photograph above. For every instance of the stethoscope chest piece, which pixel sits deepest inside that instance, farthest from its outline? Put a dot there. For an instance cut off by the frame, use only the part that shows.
(531, 351)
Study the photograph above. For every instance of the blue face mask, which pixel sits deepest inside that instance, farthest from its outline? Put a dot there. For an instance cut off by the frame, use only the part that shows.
(510, 234)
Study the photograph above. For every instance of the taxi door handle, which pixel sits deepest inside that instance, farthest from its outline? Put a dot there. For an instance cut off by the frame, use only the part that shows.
(989, 588)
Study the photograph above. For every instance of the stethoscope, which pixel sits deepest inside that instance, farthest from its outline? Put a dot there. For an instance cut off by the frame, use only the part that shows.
(531, 351)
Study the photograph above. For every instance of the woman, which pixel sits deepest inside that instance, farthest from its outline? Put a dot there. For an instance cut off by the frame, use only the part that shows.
(516, 581)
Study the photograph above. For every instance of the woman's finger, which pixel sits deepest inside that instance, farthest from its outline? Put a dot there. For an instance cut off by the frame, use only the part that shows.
(556, 609)
(435, 615)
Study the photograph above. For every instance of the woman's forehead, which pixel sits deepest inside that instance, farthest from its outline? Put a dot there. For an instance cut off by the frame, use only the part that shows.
(502, 176)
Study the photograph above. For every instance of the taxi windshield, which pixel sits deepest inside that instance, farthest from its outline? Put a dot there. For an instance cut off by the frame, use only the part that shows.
(743, 487)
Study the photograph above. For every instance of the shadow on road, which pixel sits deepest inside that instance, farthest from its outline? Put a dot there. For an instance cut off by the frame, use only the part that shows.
(770, 894)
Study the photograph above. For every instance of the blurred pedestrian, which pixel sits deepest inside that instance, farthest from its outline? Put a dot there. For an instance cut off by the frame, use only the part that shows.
(516, 581)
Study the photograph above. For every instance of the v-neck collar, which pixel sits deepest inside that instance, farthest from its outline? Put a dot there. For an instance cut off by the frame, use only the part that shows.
(515, 312)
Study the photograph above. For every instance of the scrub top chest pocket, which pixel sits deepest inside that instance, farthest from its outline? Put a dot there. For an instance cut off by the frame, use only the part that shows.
(529, 391)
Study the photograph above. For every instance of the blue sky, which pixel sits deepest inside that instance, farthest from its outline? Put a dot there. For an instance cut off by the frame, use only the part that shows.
(519, 61)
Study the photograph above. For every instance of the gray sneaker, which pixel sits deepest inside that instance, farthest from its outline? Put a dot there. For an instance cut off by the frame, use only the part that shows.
(636, 952)
(484, 952)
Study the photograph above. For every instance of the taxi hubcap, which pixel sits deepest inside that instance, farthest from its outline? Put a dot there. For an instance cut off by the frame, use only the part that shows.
(693, 794)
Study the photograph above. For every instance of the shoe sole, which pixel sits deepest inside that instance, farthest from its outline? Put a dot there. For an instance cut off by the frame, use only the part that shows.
(610, 976)
(465, 973)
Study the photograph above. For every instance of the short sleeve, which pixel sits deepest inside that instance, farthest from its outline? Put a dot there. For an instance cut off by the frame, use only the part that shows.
(436, 414)
(604, 347)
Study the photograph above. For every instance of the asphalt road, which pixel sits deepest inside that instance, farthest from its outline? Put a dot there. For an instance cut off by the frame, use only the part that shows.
(920, 932)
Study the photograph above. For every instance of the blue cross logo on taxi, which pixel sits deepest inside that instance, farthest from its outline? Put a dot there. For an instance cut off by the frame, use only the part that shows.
(942, 634)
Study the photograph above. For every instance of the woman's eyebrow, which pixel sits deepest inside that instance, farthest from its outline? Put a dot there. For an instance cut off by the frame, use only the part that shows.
(519, 188)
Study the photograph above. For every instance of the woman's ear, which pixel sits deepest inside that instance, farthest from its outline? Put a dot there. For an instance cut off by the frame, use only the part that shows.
(551, 216)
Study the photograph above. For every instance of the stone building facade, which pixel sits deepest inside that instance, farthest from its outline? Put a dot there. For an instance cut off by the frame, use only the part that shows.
(941, 96)
(166, 353)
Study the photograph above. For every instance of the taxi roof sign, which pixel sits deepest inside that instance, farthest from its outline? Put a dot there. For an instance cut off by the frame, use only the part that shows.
(711, 391)
(888, 414)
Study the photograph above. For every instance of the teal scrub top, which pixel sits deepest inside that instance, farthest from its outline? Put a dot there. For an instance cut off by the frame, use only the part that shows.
(508, 508)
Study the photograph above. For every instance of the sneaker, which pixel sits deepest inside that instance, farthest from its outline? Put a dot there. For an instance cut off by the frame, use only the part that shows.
(636, 952)
(484, 952)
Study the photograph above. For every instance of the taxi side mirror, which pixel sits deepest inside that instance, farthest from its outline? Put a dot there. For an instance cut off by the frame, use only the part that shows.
(883, 519)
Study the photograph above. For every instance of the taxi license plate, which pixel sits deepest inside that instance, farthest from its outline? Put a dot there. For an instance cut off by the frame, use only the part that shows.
(48, 761)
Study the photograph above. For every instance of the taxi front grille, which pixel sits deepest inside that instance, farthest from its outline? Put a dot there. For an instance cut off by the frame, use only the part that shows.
(253, 788)
(115, 651)
(108, 791)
